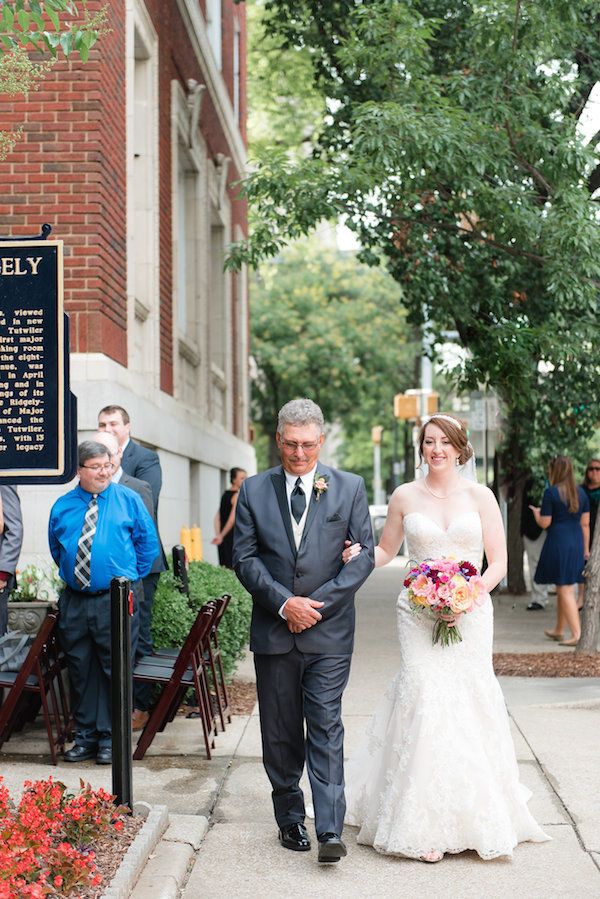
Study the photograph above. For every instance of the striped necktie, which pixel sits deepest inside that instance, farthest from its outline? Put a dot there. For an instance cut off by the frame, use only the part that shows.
(83, 557)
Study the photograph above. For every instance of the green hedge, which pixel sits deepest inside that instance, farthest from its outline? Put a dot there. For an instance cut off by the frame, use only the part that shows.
(173, 613)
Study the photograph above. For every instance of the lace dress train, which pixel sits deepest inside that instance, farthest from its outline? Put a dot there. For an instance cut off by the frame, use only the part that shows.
(437, 769)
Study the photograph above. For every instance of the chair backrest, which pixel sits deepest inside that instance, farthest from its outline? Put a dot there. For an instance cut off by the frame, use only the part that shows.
(221, 603)
(194, 640)
(32, 665)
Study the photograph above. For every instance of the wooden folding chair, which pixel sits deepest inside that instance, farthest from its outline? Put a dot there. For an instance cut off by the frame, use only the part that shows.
(212, 660)
(41, 674)
(176, 676)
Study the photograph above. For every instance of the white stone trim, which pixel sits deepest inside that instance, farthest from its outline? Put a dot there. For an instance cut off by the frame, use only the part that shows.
(142, 311)
(196, 29)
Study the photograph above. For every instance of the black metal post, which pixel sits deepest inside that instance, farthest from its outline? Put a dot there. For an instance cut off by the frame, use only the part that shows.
(121, 690)
(179, 568)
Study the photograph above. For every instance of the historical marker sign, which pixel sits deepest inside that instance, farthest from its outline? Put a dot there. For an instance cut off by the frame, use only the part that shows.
(35, 403)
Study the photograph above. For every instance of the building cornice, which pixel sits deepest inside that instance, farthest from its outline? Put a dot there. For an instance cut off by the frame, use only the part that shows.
(196, 28)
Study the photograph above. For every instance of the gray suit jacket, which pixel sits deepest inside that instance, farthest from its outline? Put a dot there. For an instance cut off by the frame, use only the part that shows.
(143, 488)
(12, 536)
(267, 564)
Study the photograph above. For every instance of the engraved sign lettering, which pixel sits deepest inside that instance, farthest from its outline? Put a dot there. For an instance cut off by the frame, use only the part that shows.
(31, 358)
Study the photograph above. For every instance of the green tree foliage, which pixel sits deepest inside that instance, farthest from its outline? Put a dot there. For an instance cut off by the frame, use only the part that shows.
(454, 146)
(285, 107)
(32, 35)
(326, 326)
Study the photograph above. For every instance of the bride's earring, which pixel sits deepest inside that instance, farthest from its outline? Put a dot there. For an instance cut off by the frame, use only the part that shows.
(457, 461)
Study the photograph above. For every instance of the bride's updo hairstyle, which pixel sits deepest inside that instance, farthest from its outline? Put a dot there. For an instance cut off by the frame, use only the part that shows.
(455, 431)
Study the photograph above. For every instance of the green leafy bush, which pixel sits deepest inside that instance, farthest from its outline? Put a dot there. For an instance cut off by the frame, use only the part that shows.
(173, 613)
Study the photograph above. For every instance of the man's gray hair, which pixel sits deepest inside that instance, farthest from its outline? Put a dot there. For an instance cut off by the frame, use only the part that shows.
(300, 412)
(90, 449)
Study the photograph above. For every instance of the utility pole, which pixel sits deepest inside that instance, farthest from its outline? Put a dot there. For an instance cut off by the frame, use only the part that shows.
(378, 493)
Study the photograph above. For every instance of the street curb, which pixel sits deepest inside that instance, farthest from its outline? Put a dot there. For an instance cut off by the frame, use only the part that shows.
(134, 860)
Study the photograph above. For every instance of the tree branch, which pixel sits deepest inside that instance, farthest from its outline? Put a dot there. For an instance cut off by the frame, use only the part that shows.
(535, 174)
(594, 180)
(516, 24)
(594, 140)
(578, 102)
(472, 233)
(475, 234)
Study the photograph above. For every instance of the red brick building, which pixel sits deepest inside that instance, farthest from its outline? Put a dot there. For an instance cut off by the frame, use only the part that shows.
(131, 157)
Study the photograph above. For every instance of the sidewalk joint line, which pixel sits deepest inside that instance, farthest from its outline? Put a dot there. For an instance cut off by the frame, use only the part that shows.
(548, 779)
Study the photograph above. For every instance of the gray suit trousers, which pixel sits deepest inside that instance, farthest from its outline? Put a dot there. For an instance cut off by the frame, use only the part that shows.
(293, 688)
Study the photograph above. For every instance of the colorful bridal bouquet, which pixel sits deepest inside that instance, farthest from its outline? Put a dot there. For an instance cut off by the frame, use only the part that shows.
(445, 589)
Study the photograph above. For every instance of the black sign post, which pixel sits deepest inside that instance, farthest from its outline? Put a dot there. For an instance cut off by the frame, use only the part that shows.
(38, 413)
(121, 690)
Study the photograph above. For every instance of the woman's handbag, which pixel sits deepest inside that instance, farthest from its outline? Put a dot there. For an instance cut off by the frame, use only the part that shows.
(14, 647)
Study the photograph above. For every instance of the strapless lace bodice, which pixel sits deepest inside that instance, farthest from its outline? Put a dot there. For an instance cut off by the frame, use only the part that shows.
(426, 539)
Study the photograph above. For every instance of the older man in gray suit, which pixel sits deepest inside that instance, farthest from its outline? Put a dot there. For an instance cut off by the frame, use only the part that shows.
(291, 526)
(11, 539)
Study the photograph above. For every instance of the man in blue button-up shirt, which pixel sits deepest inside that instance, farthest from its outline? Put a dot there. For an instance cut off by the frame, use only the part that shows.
(124, 544)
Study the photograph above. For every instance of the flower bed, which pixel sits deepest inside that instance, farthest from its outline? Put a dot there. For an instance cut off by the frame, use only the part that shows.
(46, 839)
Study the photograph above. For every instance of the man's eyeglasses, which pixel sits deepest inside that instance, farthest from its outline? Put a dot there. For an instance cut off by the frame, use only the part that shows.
(293, 446)
(108, 466)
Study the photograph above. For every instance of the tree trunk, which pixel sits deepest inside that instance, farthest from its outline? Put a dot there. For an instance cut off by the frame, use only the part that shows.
(514, 539)
(512, 477)
(590, 619)
(274, 458)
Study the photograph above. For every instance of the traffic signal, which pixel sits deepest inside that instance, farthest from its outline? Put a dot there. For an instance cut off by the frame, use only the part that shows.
(406, 406)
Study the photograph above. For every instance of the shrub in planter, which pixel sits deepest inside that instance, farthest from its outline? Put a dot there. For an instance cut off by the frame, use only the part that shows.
(173, 613)
(47, 839)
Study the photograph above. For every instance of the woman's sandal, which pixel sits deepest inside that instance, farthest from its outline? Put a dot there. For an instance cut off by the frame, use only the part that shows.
(432, 857)
(572, 642)
(553, 636)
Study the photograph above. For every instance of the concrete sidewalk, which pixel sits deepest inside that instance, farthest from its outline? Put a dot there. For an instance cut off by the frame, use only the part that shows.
(555, 724)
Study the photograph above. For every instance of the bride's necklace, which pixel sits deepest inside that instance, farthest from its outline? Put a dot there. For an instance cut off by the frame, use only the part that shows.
(438, 495)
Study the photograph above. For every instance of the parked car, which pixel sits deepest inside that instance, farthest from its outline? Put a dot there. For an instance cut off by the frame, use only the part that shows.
(378, 517)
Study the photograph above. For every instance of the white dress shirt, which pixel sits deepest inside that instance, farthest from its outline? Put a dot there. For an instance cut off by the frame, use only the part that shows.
(308, 481)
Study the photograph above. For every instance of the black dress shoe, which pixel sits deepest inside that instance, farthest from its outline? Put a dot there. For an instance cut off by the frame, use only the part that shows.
(294, 836)
(104, 756)
(331, 848)
(534, 606)
(80, 753)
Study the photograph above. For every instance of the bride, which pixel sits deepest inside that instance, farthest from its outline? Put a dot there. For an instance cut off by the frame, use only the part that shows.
(436, 772)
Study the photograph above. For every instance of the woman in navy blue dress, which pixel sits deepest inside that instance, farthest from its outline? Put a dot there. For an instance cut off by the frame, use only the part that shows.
(565, 513)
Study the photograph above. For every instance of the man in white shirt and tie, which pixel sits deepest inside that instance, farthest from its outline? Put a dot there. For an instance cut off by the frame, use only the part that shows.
(291, 526)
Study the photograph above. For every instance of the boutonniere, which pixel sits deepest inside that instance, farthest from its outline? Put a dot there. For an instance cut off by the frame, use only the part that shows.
(320, 485)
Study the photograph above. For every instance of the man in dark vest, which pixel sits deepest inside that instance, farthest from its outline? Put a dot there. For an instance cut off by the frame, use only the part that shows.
(291, 526)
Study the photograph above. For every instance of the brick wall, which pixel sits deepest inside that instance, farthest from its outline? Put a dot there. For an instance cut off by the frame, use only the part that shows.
(70, 168)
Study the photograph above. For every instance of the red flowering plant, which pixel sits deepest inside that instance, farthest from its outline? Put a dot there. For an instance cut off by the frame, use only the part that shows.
(45, 840)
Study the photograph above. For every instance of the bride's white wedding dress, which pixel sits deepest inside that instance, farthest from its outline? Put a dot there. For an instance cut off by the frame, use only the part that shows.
(437, 768)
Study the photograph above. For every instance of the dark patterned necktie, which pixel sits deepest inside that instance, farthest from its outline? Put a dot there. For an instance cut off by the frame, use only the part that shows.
(83, 557)
(298, 501)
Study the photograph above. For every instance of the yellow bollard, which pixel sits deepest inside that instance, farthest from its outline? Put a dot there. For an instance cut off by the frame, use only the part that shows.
(196, 539)
(185, 538)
